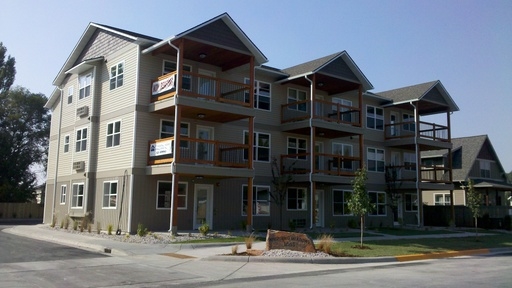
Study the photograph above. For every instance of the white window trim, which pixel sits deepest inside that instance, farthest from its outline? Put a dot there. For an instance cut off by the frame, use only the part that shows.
(80, 85)
(110, 194)
(410, 158)
(183, 76)
(368, 159)
(81, 140)
(255, 187)
(113, 134)
(82, 196)
(66, 144)
(297, 147)
(170, 195)
(343, 145)
(483, 165)
(256, 94)
(375, 117)
(444, 198)
(70, 94)
(255, 145)
(305, 199)
(116, 66)
(296, 100)
(63, 188)
(417, 204)
(376, 205)
(342, 203)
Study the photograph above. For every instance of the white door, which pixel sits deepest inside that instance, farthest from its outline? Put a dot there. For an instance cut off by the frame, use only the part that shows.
(206, 85)
(203, 205)
(319, 209)
(205, 149)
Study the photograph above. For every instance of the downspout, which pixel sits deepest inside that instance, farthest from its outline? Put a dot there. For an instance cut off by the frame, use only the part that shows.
(57, 159)
(172, 229)
(312, 148)
(417, 164)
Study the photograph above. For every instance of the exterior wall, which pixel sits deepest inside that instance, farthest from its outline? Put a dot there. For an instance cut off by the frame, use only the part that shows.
(459, 197)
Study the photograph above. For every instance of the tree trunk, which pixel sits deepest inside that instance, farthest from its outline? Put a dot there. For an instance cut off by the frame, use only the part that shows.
(362, 228)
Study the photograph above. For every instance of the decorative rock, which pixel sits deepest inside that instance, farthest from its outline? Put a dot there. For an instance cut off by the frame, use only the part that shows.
(289, 241)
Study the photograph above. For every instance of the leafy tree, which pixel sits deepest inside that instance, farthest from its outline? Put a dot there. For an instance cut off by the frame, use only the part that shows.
(359, 203)
(7, 70)
(280, 182)
(393, 184)
(474, 201)
(24, 129)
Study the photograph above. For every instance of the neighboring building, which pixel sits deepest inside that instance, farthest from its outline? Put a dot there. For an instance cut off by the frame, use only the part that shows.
(472, 158)
(167, 133)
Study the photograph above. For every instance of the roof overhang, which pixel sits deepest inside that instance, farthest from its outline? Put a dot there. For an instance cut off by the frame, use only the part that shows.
(84, 65)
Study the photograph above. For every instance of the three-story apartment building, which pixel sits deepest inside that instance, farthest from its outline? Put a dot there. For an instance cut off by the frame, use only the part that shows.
(183, 131)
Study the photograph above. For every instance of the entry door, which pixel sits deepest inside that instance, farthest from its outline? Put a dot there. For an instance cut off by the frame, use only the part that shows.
(319, 106)
(203, 205)
(319, 160)
(205, 150)
(319, 209)
(393, 120)
(206, 84)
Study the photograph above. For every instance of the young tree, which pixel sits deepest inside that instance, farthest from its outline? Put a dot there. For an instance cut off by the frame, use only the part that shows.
(392, 188)
(280, 182)
(474, 200)
(359, 203)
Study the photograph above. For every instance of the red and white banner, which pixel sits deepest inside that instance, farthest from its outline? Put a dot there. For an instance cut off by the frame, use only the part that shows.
(163, 85)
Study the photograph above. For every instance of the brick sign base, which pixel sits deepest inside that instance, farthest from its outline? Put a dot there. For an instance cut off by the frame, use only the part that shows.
(289, 241)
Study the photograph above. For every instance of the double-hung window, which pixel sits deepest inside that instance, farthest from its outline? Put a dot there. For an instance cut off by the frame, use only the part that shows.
(164, 191)
(374, 118)
(85, 86)
(81, 140)
(261, 94)
(410, 161)
(379, 200)
(409, 124)
(77, 199)
(343, 107)
(485, 169)
(260, 200)
(411, 202)
(186, 79)
(70, 95)
(167, 131)
(343, 150)
(261, 147)
(295, 96)
(442, 199)
(297, 148)
(113, 134)
(63, 192)
(340, 200)
(116, 75)
(375, 160)
(296, 199)
(66, 144)
(110, 194)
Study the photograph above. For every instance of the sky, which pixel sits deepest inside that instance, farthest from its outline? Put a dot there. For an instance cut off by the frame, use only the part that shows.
(465, 44)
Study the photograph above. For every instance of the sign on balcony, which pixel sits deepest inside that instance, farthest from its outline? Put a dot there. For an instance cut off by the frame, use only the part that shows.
(163, 85)
(160, 148)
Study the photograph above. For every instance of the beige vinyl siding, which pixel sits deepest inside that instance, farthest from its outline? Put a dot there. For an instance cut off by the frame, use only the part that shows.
(147, 126)
(116, 157)
(458, 195)
(110, 216)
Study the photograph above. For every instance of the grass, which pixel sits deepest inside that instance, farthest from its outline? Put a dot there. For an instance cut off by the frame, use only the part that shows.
(411, 232)
(316, 235)
(220, 240)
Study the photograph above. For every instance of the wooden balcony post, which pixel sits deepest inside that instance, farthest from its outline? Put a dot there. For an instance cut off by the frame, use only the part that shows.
(252, 78)
(177, 134)
(360, 105)
(450, 164)
(249, 204)
(250, 153)
(361, 151)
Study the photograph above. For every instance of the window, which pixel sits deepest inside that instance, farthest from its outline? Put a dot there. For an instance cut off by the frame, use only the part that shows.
(164, 191)
(411, 202)
(85, 86)
(186, 80)
(66, 144)
(345, 113)
(297, 148)
(70, 95)
(260, 200)
(374, 118)
(296, 199)
(408, 121)
(485, 169)
(116, 76)
(442, 199)
(340, 200)
(113, 134)
(63, 190)
(110, 194)
(410, 161)
(375, 160)
(81, 140)
(167, 130)
(261, 147)
(379, 200)
(344, 150)
(261, 94)
(77, 200)
(294, 96)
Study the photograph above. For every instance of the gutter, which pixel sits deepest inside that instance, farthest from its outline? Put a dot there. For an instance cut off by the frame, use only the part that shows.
(312, 148)
(416, 129)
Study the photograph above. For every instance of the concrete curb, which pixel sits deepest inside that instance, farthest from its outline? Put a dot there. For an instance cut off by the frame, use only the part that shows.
(306, 260)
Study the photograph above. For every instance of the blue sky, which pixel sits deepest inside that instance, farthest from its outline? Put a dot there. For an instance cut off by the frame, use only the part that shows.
(465, 44)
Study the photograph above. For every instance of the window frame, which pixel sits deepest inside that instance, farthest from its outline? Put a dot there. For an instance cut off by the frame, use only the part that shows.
(183, 143)
(409, 161)
(258, 95)
(297, 148)
(165, 70)
(76, 197)
(63, 194)
(256, 146)
(376, 211)
(301, 203)
(344, 202)
(444, 202)
(483, 165)
(108, 196)
(182, 187)
(411, 201)
(65, 146)
(375, 117)
(116, 79)
(368, 159)
(113, 135)
(407, 124)
(70, 94)
(296, 98)
(87, 88)
(255, 200)
(344, 166)
(82, 140)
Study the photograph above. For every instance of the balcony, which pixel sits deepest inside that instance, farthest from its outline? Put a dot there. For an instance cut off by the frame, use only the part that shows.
(326, 164)
(203, 87)
(430, 136)
(324, 110)
(436, 174)
(199, 152)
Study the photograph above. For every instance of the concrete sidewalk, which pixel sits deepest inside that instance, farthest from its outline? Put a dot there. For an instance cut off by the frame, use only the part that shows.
(220, 251)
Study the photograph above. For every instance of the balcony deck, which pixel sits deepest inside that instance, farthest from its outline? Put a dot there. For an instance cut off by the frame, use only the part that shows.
(326, 164)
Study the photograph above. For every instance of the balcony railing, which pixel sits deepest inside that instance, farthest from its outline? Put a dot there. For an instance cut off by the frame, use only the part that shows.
(325, 110)
(328, 164)
(201, 86)
(430, 174)
(430, 131)
(199, 151)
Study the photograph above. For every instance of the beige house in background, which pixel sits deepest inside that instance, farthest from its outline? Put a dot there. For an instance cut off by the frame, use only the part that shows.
(173, 133)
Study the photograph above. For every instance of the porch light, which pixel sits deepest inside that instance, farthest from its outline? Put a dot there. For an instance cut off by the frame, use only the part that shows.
(201, 115)
(321, 134)
(199, 177)
(320, 84)
(202, 55)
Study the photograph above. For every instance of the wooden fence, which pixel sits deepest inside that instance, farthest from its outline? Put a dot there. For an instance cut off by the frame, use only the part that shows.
(493, 217)
(21, 211)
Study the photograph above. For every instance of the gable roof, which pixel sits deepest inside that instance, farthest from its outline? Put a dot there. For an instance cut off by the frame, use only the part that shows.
(221, 19)
(339, 65)
(432, 92)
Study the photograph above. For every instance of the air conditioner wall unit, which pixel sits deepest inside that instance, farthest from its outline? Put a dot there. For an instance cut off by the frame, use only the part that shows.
(79, 165)
(82, 111)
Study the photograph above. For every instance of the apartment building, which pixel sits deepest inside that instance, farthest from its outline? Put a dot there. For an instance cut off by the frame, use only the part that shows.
(183, 131)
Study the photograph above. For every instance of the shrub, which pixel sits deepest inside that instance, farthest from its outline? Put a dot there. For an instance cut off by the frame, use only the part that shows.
(234, 249)
(141, 230)
(66, 222)
(249, 241)
(507, 222)
(54, 221)
(110, 228)
(292, 225)
(98, 227)
(325, 243)
(204, 229)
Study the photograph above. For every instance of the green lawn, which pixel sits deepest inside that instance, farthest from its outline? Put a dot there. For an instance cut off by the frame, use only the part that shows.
(316, 235)
(411, 232)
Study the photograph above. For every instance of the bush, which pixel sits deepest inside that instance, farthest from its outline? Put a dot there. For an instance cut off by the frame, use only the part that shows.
(352, 223)
(249, 240)
(325, 243)
(75, 225)
(204, 229)
(110, 228)
(98, 227)
(507, 222)
(141, 230)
